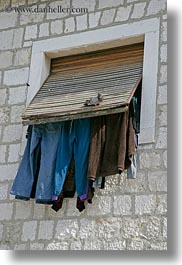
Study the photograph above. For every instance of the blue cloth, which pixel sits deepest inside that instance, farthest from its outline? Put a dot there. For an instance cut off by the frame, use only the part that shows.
(44, 138)
(74, 140)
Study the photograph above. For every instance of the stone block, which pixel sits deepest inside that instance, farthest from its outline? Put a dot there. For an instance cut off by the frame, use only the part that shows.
(90, 5)
(13, 233)
(133, 185)
(30, 2)
(156, 6)
(23, 210)
(159, 245)
(123, 13)
(44, 30)
(145, 204)
(29, 230)
(39, 211)
(6, 39)
(150, 228)
(65, 4)
(16, 112)
(157, 181)
(8, 20)
(163, 53)
(17, 95)
(18, 38)
(111, 185)
(27, 43)
(12, 133)
(130, 228)
(8, 172)
(122, 205)
(164, 227)
(93, 245)
(162, 138)
(138, 11)
(1, 77)
(16, 3)
(94, 19)
(161, 200)
(57, 27)
(46, 230)
(131, 1)
(58, 246)
(20, 247)
(164, 31)
(4, 115)
(165, 159)
(150, 160)
(32, 17)
(81, 22)
(76, 245)
(163, 74)
(108, 16)
(6, 59)
(31, 32)
(22, 57)
(3, 96)
(3, 150)
(162, 95)
(101, 205)
(3, 191)
(14, 153)
(135, 244)
(87, 229)
(36, 246)
(5, 4)
(16, 76)
(107, 229)
(6, 210)
(69, 25)
(1, 232)
(114, 244)
(67, 230)
(108, 3)
(163, 116)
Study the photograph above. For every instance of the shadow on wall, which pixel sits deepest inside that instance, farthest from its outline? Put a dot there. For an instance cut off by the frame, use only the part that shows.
(137, 256)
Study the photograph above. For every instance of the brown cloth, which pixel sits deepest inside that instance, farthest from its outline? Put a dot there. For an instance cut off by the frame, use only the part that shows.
(112, 144)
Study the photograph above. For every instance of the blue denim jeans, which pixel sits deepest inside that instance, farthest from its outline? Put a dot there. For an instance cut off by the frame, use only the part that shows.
(46, 137)
(74, 140)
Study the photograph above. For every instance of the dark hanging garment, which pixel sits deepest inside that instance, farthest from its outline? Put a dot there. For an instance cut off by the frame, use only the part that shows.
(113, 145)
(98, 138)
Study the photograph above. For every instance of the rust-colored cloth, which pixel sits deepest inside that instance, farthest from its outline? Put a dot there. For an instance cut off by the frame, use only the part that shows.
(112, 144)
(98, 139)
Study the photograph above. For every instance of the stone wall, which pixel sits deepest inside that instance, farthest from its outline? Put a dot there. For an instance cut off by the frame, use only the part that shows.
(128, 214)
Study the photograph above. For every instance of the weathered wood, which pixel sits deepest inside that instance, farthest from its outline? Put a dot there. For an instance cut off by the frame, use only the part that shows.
(115, 73)
(38, 120)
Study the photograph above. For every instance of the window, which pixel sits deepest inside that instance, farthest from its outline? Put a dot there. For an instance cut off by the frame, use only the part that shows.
(114, 74)
(143, 31)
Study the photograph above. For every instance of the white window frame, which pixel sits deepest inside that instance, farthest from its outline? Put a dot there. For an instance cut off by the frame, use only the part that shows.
(147, 30)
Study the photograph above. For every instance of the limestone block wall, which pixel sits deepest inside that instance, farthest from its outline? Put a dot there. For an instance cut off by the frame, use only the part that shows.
(128, 214)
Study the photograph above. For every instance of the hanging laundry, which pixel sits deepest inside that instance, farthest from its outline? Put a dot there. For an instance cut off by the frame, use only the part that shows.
(42, 141)
(113, 143)
(74, 140)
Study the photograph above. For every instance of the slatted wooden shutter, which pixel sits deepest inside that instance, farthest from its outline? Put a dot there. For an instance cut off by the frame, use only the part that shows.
(115, 73)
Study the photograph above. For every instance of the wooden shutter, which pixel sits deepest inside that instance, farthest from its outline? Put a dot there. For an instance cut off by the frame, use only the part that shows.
(115, 73)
